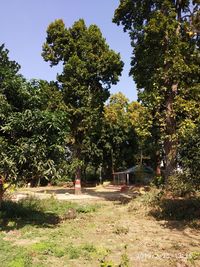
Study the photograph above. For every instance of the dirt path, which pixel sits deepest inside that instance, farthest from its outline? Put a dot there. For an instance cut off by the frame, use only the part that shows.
(60, 193)
(149, 242)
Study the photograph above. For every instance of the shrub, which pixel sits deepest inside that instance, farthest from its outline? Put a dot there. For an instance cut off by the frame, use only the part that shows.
(158, 181)
(179, 185)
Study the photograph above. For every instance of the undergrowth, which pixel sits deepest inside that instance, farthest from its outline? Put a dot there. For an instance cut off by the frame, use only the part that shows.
(161, 205)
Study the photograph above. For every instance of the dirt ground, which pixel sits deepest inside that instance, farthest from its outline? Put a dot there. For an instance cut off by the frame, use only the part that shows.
(143, 240)
(108, 192)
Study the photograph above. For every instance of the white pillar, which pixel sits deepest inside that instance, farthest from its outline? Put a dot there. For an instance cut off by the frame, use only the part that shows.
(127, 178)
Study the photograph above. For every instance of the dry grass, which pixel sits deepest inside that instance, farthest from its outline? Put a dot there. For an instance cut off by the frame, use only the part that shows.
(125, 234)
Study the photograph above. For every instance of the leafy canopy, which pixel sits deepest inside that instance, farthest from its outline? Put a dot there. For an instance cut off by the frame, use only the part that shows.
(90, 67)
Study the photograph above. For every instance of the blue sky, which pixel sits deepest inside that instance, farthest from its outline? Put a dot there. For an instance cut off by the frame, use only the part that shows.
(23, 30)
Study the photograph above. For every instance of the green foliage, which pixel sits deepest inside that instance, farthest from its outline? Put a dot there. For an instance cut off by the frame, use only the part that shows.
(33, 126)
(180, 186)
(90, 67)
(86, 208)
(21, 261)
(158, 181)
(163, 206)
(125, 261)
(190, 155)
(119, 139)
(105, 263)
(47, 248)
(165, 66)
(193, 256)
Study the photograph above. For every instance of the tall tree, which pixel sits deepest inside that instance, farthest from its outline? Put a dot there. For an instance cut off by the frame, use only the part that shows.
(9, 81)
(165, 62)
(90, 67)
(33, 127)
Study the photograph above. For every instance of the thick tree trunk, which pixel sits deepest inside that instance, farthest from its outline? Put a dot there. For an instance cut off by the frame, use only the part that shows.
(170, 142)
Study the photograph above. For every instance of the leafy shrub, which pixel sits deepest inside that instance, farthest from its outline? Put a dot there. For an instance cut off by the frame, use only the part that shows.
(158, 181)
(190, 154)
(144, 203)
(179, 185)
(105, 263)
(161, 205)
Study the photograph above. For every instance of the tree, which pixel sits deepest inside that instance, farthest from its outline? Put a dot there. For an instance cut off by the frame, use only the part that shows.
(90, 67)
(8, 81)
(33, 127)
(165, 63)
(118, 138)
(36, 132)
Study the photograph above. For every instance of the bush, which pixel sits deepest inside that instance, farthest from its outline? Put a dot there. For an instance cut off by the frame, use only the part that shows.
(180, 186)
(158, 181)
(177, 209)
(190, 154)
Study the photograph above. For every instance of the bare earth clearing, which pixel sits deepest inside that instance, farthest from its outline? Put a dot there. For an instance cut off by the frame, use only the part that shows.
(115, 230)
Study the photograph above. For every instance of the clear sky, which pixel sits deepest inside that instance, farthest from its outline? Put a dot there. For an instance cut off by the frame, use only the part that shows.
(23, 30)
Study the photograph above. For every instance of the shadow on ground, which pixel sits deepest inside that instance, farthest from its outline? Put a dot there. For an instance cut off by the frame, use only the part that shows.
(111, 194)
(14, 215)
(178, 213)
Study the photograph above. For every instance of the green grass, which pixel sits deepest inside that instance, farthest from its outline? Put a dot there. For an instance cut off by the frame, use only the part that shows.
(33, 232)
(45, 213)
(36, 233)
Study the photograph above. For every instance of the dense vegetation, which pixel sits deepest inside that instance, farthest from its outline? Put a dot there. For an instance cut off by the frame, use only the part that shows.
(53, 131)
(165, 65)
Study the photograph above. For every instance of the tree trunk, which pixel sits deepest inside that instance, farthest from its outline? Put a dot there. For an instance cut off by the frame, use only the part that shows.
(170, 142)
(112, 161)
(77, 187)
(158, 162)
(1, 192)
(77, 181)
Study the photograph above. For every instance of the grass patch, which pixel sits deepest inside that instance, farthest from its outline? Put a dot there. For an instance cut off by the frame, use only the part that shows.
(47, 248)
(86, 251)
(28, 211)
(44, 213)
(98, 234)
(21, 261)
(14, 256)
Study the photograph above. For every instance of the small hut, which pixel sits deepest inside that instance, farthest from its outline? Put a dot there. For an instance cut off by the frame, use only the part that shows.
(136, 174)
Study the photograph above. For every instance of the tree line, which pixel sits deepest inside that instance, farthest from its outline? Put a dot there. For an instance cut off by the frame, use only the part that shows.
(68, 128)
